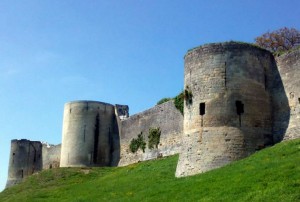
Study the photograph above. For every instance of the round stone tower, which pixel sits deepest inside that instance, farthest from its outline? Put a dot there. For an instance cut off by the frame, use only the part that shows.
(227, 109)
(88, 132)
(25, 159)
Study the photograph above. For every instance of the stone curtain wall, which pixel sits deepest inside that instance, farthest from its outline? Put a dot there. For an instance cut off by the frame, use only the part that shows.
(230, 112)
(167, 118)
(289, 69)
(51, 156)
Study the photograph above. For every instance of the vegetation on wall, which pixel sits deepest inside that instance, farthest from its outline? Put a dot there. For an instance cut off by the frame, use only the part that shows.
(137, 143)
(163, 100)
(178, 101)
(188, 95)
(154, 137)
(279, 41)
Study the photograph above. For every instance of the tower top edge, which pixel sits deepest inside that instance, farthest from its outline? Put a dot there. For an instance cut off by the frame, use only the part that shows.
(88, 102)
(226, 46)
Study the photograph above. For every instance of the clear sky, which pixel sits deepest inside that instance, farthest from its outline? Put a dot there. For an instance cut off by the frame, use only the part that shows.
(120, 52)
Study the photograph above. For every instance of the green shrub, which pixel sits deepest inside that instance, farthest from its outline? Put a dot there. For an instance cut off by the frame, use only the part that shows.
(153, 137)
(178, 102)
(163, 100)
(138, 143)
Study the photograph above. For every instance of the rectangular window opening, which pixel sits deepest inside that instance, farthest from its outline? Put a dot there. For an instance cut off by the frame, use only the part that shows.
(239, 107)
(202, 108)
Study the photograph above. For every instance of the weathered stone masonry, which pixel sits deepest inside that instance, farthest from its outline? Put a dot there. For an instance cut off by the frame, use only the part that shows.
(239, 99)
(230, 83)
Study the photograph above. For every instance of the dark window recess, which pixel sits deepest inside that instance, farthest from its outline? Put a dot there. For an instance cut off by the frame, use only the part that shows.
(266, 82)
(96, 138)
(22, 173)
(239, 110)
(239, 107)
(202, 108)
(34, 158)
(50, 167)
(13, 160)
(299, 100)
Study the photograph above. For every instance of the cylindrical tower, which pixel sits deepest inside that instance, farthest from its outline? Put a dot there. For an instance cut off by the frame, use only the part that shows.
(87, 134)
(227, 110)
(25, 159)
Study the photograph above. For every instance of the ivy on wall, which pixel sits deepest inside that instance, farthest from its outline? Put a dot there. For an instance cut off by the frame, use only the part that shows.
(137, 143)
(153, 137)
(178, 101)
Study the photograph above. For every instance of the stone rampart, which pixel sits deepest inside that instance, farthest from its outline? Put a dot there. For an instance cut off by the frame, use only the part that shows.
(51, 156)
(167, 118)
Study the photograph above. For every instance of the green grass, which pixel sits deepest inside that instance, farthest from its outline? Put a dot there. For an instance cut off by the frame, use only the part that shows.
(272, 174)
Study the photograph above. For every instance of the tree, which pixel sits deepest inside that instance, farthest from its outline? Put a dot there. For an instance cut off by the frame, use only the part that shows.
(280, 40)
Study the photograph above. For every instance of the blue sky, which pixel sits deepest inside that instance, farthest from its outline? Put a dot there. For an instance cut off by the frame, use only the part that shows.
(120, 52)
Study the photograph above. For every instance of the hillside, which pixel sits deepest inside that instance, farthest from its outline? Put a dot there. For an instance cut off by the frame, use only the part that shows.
(272, 174)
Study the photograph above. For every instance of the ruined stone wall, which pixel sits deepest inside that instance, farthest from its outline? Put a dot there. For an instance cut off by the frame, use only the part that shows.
(287, 107)
(167, 118)
(89, 130)
(25, 159)
(51, 156)
(229, 115)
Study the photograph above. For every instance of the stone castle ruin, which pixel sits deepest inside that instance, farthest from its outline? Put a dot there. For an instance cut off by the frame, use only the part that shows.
(238, 99)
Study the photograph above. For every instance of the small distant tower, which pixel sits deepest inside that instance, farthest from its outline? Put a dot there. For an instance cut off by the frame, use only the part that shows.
(25, 159)
(89, 134)
(122, 111)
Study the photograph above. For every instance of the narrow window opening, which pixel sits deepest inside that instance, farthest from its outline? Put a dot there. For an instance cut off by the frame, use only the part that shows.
(266, 82)
(13, 160)
(239, 107)
(84, 133)
(202, 108)
(50, 167)
(299, 100)
(70, 110)
(202, 111)
(22, 173)
(96, 138)
(239, 110)
(34, 157)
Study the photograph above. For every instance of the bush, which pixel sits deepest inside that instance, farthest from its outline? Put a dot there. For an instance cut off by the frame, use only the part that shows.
(138, 143)
(153, 137)
(178, 102)
(163, 100)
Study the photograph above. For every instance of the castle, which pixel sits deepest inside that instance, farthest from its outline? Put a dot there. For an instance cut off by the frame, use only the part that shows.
(238, 99)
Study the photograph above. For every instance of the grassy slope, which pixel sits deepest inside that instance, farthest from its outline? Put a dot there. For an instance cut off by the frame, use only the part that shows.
(272, 174)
